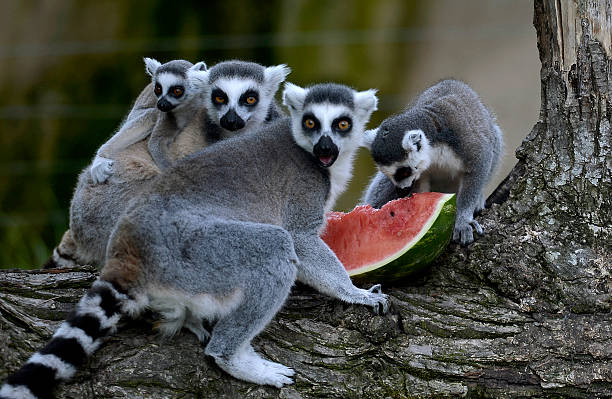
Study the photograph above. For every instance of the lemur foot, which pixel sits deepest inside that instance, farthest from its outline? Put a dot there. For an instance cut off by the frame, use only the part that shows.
(101, 169)
(249, 366)
(199, 331)
(463, 232)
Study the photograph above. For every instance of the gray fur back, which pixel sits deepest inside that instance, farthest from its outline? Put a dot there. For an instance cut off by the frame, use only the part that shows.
(449, 113)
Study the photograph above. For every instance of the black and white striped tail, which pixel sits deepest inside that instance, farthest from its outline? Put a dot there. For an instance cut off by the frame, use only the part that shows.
(60, 259)
(95, 317)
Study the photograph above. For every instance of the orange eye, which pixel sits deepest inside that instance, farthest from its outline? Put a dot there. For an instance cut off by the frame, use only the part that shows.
(309, 123)
(251, 100)
(343, 125)
(219, 100)
(158, 89)
(177, 92)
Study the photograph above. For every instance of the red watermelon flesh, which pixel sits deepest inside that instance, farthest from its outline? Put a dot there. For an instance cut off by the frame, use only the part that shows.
(404, 233)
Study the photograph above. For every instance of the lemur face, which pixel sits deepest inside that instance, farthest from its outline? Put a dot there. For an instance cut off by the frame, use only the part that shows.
(170, 91)
(239, 94)
(328, 119)
(175, 83)
(402, 155)
(234, 102)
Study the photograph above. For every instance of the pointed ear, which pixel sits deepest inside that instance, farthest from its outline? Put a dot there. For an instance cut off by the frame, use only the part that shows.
(366, 102)
(275, 75)
(151, 65)
(293, 97)
(197, 77)
(412, 139)
(368, 138)
(199, 66)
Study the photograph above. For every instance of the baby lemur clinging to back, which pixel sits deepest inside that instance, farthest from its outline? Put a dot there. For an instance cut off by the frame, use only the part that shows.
(445, 141)
(178, 87)
(208, 241)
(95, 207)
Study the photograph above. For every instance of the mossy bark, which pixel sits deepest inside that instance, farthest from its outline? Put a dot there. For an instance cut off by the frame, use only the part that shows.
(523, 312)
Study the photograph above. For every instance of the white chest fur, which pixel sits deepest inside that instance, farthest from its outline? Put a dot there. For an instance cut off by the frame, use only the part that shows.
(444, 160)
(340, 174)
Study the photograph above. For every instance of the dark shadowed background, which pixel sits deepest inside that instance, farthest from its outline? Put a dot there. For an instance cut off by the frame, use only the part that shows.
(71, 69)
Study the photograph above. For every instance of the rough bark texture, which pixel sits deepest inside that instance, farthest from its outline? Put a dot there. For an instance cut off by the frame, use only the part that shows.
(523, 312)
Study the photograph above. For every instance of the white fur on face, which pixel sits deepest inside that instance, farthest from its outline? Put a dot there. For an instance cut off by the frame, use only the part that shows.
(168, 80)
(439, 158)
(326, 113)
(341, 171)
(234, 88)
(418, 159)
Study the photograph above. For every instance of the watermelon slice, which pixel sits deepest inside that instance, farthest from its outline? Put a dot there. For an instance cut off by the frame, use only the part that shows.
(390, 243)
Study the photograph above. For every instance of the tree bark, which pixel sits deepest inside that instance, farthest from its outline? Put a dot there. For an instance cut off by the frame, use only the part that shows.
(523, 312)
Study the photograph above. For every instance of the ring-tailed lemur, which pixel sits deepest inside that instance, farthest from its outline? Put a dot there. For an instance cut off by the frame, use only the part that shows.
(239, 97)
(446, 141)
(178, 87)
(95, 208)
(208, 241)
(179, 90)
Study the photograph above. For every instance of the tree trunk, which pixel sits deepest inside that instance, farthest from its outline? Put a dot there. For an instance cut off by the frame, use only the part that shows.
(523, 312)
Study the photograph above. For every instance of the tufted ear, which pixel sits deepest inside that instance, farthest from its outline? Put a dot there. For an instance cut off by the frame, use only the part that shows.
(199, 66)
(293, 97)
(413, 139)
(368, 138)
(366, 102)
(151, 65)
(197, 78)
(275, 75)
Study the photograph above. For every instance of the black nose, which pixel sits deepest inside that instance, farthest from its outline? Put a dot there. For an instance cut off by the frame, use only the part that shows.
(326, 151)
(164, 105)
(232, 121)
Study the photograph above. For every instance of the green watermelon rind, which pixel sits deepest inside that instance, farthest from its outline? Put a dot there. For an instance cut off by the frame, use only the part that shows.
(426, 246)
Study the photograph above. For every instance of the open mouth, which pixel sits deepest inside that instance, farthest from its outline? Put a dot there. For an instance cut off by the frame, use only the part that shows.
(325, 151)
(327, 160)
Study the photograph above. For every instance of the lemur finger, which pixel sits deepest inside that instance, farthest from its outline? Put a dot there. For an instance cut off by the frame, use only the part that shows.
(380, 304)
(478, 228)
(376, 289)
(463, 234)
(467, 236)
(385, 306)
(98, 176)
(456, 235)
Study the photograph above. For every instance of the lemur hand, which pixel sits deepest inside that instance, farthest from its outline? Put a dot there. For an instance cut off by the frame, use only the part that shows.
(101, 169)
(376, 299)
(463, 231)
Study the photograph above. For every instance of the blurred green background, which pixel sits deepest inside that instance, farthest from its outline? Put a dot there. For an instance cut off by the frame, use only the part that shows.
(71, 69)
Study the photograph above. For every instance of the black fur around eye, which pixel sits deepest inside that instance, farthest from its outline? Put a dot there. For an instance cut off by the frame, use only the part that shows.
(342, 125)
(402, 173)
(158, 89)
(177, 91)
(249, 98)
(218, 97)
(310, 123)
